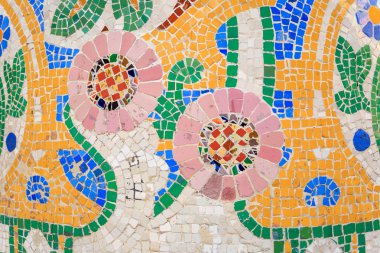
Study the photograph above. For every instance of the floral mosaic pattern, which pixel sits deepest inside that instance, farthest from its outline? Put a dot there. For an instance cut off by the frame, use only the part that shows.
(114, 83)
(368, 17)
(353, 69)
(72, 15)
(13, 104)
(236, 134)
(218, 143)
(189, 126)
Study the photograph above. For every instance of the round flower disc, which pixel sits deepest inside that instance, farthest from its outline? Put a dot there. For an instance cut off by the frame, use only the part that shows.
(228, 144)
(114, 82)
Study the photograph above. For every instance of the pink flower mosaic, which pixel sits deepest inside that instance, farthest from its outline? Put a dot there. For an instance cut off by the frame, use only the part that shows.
(228, 144)
(114, 82)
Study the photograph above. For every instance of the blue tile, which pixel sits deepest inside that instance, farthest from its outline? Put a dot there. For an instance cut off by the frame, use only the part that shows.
(290, 22)
(37, 189)
(59, 57)
(38, 6)
(11, 142)
(321, 186)
(189, 96)
(89, 180)
(221, 39)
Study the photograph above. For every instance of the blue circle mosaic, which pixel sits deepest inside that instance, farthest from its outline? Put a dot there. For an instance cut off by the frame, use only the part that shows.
(37, 189)
(11, 142)
(361, 140)
(322, 187)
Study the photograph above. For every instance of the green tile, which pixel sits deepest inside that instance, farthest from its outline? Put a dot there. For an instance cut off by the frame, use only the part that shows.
(240, 205)
(166, 200)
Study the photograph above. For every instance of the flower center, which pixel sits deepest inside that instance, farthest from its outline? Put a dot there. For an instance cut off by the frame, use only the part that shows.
(1, 35)
(230, 143)
(112, 82)
(374, 14)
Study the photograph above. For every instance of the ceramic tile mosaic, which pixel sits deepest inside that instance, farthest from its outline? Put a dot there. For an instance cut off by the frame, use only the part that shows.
(190, 126)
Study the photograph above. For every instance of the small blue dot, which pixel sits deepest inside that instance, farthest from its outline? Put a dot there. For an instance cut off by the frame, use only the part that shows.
(361, 140)
(11, 142)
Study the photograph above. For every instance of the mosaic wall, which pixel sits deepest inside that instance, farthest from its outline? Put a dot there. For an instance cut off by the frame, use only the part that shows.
(190, 126)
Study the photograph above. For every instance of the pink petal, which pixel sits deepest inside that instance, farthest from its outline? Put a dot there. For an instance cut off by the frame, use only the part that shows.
(89, 50)
(273, 155)
(137, 113)
(89, 121)
(127, 42)
(82, 62)
(261, 112)
(228, 192)
(185, 153)
(221, 96)
(243, 185)
(113, 121)
(151, 88)
(273, 139)
(82, 111)
(101, 45)
(77, 74)
(137, 50)
(200, 179)
(195, 111)
(146, 102)
(235, 100)
(77, 88)
(250, 103)
(114, 42)
(182, 138)
(189, 168)
(101, 122)
(188, 124)
(153, 73)
(266, 169)
(213, 187)
(146, 60)
(208, 105)
(76, 100)
(270, 124)
(257, 181)
(126, 121)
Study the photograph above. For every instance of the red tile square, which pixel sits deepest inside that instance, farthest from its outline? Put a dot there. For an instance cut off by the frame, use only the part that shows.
(125, 75)
(227, 157)
(116, 96)
(101, 76)
(242, 143)
(216, 158)
(241, 132)
(122, 86)
(105, 94)
(228, 131)
(116, 69)
(110, 81)
(241, 157)
(228, 145)
(215, 133)
(215, 145)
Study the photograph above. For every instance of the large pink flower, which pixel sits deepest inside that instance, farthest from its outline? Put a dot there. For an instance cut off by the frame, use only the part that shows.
(228, 144)
(114, 82)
